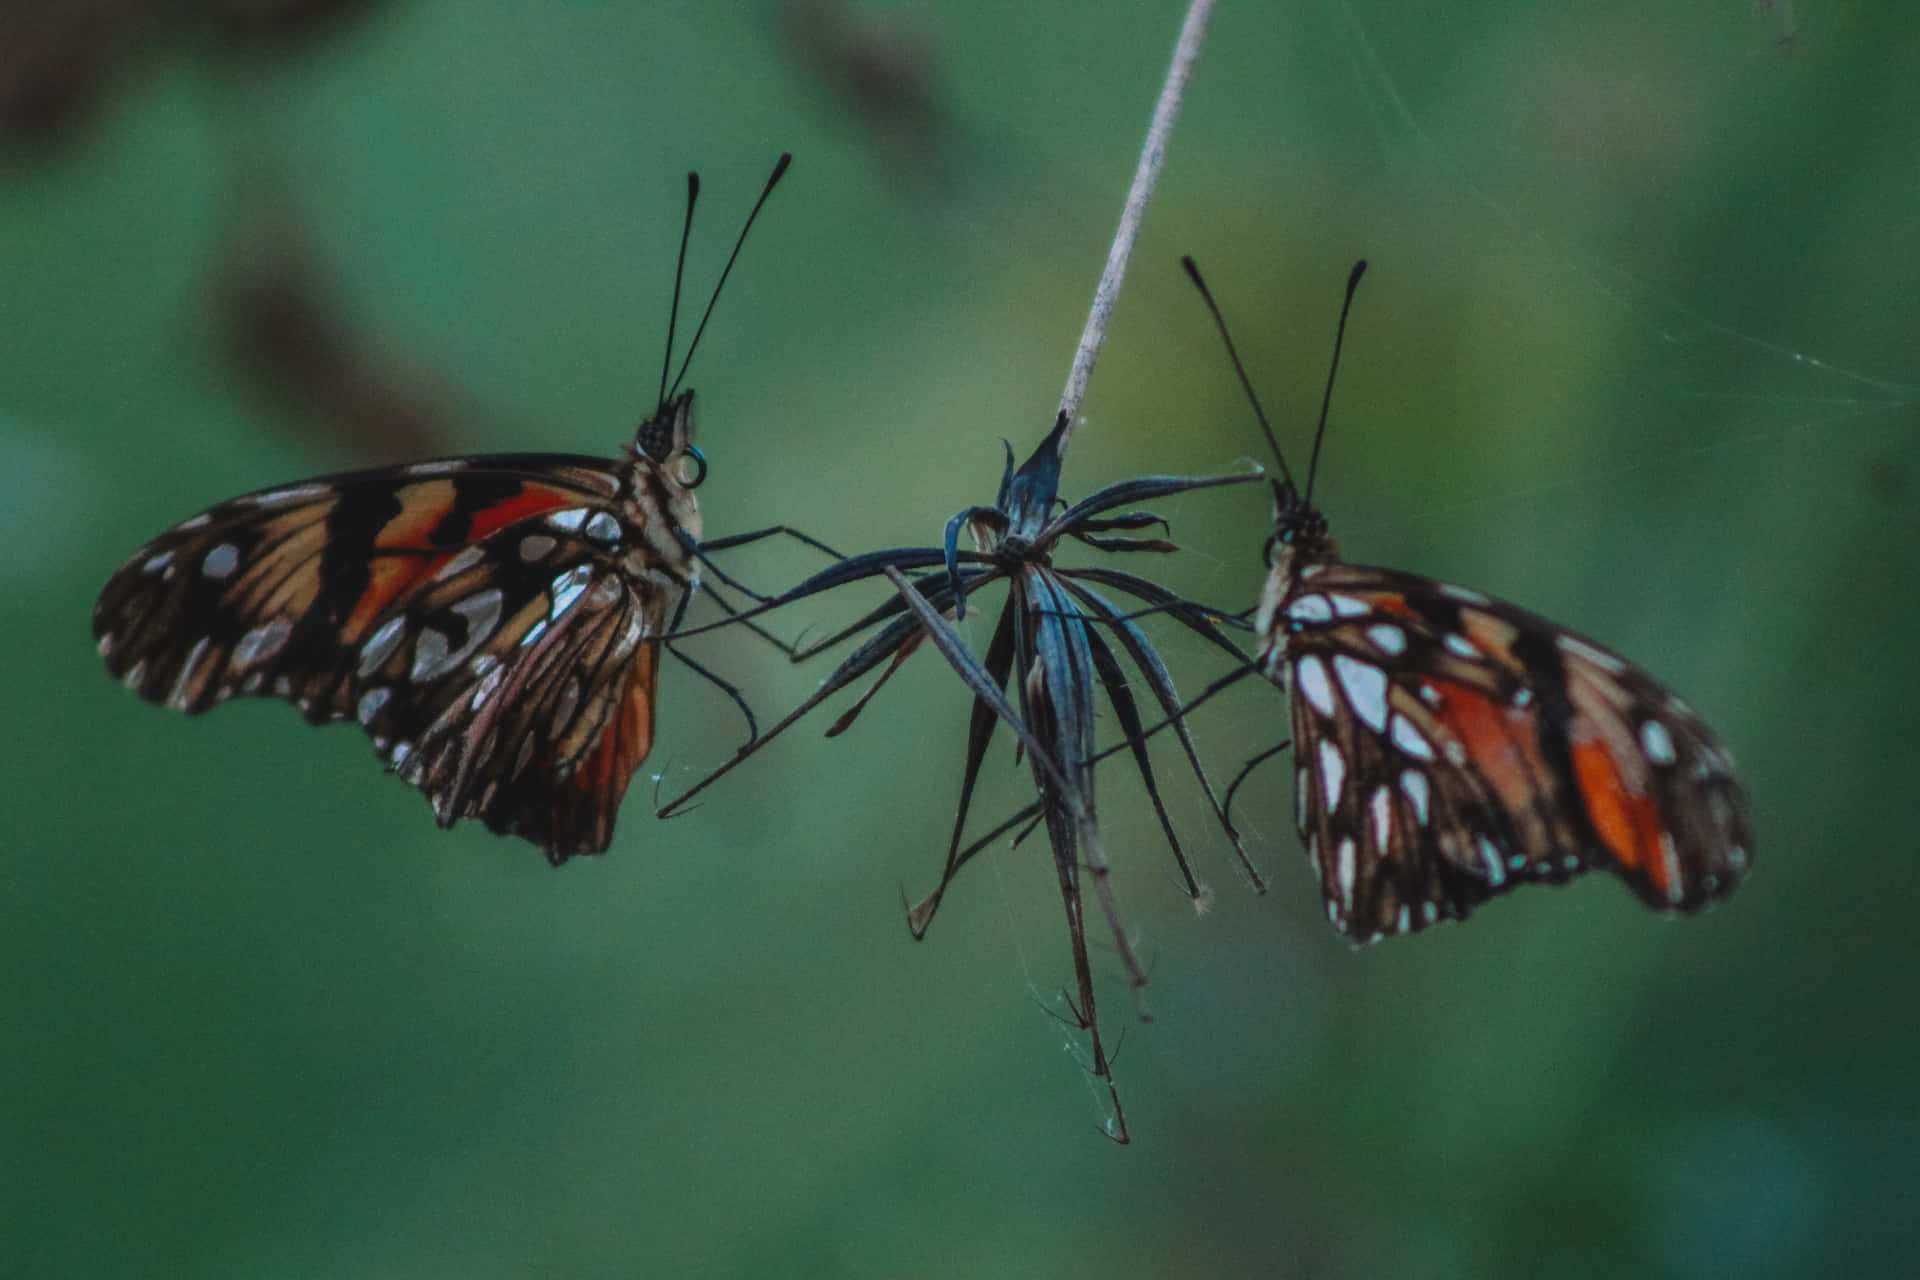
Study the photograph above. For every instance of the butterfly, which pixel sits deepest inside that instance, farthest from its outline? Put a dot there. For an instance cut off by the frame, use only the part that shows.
(494, 622)
(1450, 746)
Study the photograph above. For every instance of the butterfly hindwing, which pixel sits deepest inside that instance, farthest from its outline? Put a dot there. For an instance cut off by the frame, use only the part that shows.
(535, 715)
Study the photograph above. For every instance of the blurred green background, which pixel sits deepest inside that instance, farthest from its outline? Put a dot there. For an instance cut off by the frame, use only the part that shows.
(1637, 351)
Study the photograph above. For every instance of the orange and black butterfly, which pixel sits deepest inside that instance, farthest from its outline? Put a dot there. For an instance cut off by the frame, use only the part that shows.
(1449, 746)
(493, 622)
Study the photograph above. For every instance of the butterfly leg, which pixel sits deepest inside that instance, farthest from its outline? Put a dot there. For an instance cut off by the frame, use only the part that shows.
(753, 728)
(1247, 770)
(700, 549)
(793, 651)
(742, 539)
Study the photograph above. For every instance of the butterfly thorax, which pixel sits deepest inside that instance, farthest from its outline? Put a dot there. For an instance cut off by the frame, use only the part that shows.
(662, 471)
(1300, 541)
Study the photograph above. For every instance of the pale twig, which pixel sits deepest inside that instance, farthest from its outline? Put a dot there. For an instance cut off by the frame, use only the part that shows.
(1185, 52)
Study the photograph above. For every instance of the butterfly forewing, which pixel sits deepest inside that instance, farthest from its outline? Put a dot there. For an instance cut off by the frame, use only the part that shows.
(1450, 746)
(486, 619)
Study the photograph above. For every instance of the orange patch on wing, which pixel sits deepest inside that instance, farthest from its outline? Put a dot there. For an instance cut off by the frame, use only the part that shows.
(1392, 602)
(535, 499)
(387, 577)
(629, 738)
(423, 507)
(1627, 822)
(1489, 633)
(1499, 741)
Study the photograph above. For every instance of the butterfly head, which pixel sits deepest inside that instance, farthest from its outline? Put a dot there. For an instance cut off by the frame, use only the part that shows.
(1299, 540)
(1299, 534)
(666, 440)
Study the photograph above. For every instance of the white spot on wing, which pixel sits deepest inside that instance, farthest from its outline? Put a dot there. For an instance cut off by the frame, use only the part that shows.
(292, 493)
(1333, 772)
(567, 588)
(1388, 638)
(1459, 644)
(1380, 810)
(196, 522)
(157, 563)
(221, 561)
(429, 654)
(481, 612)
(1581, 649)
(370, 703)
(534, 632)
(1345, 868)
(453, 568)
(489, 685)
(380, 646)
(1413, 785)
(1410, 739)
(535, 547)
(1366, 689)
(1310, 677)
(178, 696)
(603, 528)
(568, 521)
(1311, 609)
(1463, 593)
(262, 642)
(439, 466)
(1657, 742)
(1348, 607)
(1496, 872)
(630, 635)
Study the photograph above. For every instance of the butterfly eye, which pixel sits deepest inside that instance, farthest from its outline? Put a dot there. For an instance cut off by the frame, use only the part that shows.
(654, 438)
(693, 467)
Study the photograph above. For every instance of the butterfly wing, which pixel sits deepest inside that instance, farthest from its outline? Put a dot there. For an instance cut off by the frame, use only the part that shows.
(1450, 746)
(481, 617)
(534, 716)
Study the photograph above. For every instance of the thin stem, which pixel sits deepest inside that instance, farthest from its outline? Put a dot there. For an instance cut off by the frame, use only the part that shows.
(1185, 52)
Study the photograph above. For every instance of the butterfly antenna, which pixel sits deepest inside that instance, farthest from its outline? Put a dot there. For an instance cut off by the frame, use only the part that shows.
(1220, 323)
(779, 168)
(1333, 367)
(679, 270)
